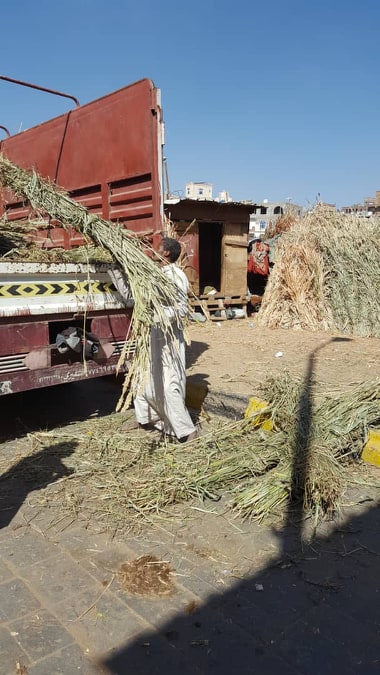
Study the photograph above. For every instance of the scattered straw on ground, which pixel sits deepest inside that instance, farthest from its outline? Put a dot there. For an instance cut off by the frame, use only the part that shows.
(97, 472)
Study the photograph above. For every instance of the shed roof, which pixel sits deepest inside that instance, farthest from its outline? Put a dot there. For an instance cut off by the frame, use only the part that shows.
(209, 204)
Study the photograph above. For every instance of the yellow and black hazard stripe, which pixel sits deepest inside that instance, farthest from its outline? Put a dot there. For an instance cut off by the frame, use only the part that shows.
(31, 289)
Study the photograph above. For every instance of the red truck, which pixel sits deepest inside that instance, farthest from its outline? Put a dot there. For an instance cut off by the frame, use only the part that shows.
(64, 322)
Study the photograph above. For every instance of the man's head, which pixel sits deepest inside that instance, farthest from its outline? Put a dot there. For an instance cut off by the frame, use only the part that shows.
(170, 249)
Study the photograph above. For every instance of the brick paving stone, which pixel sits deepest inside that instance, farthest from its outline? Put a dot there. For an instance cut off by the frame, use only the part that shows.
(200, 587)
(68, 661)
(22, 550)
(212, 643)
(355, 639)
(361, 602)
(101, 622)
(308, 651)
(81, 543)
(148, 546)
(10, 653)
(158, 659)
(59, 594)
(283, 594)
(16, 600)
(148, 656)
(40, 634)
(265, 628)
(102, 564)
(57, 578)
(158, 611)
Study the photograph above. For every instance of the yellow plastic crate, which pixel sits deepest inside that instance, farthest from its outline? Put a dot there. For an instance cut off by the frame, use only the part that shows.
(263, 420)
(371, 450)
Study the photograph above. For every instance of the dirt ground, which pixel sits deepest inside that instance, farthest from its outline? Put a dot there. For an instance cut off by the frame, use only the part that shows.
(237, 356)
(233, 358)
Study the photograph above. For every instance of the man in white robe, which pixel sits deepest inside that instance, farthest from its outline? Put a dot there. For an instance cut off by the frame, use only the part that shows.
(162, 403)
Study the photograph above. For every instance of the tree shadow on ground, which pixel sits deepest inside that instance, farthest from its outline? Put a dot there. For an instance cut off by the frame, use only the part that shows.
(34, 472)
(57, 406)
(314, 610)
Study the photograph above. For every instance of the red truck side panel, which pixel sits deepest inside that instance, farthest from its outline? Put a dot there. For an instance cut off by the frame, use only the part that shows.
(107, 154)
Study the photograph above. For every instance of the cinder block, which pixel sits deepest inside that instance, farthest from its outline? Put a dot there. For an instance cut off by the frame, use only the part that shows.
(371, 450)
(195, 395)
(259, 419)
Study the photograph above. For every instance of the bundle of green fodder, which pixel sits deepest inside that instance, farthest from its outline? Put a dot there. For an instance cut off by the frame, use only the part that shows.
(326, 276)
(15, 236)
(85, 254)
(306, 460)
(323, 438)
(17, 244)
(151, 289)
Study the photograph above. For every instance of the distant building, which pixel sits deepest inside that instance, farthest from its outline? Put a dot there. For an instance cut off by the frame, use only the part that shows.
(261, 214)
(223, 197)
(269, 212)
(200, 191)
(370, 206)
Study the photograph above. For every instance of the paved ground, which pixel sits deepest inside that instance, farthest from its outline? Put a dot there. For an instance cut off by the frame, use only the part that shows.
(247, 599)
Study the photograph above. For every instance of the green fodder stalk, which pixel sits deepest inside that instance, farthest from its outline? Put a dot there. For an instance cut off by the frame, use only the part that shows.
(325, 483)
(269, 495)
(266, 497)
(151, 289)
(342, 422)
(119, 479)
(15, 236)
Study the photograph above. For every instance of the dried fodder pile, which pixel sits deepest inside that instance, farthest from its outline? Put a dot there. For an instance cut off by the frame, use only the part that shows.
(151, 289)
(282, 224)
(326, 276)
(147, 576)
(115, 479)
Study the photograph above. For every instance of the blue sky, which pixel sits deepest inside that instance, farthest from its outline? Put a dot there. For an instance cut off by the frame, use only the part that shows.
(268, 100)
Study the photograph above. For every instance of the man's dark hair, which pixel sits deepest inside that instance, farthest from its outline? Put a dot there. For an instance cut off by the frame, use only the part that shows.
(173, 246)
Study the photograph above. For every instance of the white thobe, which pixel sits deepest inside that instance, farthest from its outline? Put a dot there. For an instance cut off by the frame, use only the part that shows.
(163, 401)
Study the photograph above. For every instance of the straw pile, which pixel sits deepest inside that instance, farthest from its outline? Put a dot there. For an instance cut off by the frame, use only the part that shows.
(326, 276)
(305, 461)
(151, 289)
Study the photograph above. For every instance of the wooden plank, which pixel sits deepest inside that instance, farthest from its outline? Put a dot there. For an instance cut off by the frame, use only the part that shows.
(219, 303)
